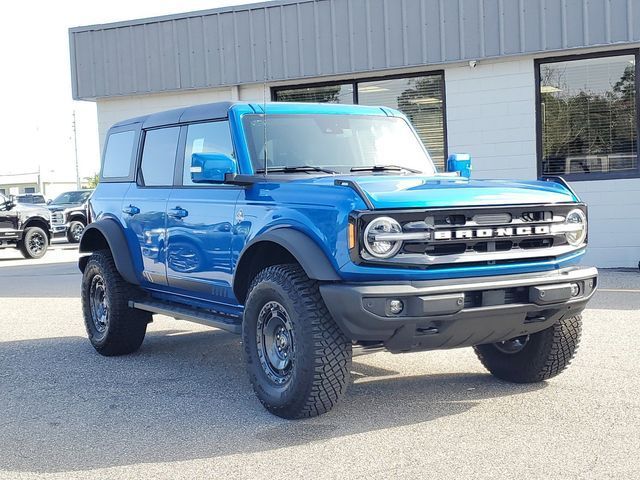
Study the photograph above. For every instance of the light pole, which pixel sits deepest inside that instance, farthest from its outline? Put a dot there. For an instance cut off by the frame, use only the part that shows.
(75, 148)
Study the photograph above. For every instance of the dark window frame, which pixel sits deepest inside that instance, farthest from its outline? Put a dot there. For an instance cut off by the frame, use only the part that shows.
(179, 162)
(585, 177)
(178, 182)
(182, 147)
(139, 174)
(396, 76)
(133, 159)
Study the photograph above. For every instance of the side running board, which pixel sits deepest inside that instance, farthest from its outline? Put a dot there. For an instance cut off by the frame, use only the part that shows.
(203, 317)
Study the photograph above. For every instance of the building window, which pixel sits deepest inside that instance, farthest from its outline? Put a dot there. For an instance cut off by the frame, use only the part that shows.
(420, 98)
(317, 94)
(588, 116)
(29, 190)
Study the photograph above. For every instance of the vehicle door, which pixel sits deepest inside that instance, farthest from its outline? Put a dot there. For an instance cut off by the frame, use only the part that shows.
(8, 219)
(145, 206)
(200, 221)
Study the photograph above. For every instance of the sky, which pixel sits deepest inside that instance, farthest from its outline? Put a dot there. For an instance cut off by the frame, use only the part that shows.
(35, 83)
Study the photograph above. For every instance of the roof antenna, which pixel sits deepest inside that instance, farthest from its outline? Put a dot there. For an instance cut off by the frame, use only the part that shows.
(264, 120)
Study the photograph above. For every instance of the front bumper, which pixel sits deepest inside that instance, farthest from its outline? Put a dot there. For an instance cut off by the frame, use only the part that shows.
(59, 230)
(458, 313)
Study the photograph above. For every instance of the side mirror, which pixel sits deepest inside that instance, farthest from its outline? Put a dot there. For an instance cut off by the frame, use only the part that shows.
(460, 163)
(211, 167)
(49, 202)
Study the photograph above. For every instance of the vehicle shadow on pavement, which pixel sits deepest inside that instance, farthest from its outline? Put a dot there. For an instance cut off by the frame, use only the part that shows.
(185, 396)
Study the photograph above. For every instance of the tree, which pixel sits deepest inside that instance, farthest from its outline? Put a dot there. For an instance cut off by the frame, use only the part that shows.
(92, 181)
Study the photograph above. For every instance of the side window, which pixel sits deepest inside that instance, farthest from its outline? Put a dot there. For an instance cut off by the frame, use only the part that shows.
(159, 156)
(213, 137)
(118, 155)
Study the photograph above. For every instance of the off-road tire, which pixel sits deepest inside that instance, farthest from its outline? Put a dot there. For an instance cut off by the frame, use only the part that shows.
(125, 327)
(25, 245)
(545, 355)
(71, 229)
(321, 368)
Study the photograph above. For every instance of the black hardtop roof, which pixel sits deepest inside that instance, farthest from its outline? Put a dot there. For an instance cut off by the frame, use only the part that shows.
(220, 110)
(209, 111)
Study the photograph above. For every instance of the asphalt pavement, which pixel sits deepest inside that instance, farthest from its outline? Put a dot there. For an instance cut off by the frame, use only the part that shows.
(182, 406)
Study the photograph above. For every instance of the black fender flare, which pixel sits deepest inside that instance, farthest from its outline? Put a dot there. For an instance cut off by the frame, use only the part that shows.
(306, 252)
(39, 222)
(77, 214)
(109, 231)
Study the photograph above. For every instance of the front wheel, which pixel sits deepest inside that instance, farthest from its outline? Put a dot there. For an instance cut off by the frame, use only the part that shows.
(34, 243)
(297, 357)
(113, 328)
(75, 230)
(536, 357)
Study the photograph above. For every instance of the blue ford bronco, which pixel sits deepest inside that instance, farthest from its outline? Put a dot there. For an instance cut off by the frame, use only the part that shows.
(320, 231)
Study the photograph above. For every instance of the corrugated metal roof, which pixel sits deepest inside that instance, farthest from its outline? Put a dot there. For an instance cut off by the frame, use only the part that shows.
(314, 38)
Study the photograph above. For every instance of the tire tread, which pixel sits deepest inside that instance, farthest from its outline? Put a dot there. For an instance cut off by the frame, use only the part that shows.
(331, 348)
(552, 352)
(127, 326)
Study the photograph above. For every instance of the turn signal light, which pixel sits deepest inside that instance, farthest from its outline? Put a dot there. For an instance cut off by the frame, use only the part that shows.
(352, 235)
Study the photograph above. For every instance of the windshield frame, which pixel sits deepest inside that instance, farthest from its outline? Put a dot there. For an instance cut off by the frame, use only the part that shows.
(427, 168)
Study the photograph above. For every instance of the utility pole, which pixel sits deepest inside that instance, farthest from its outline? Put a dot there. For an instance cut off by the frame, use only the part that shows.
(75, 148)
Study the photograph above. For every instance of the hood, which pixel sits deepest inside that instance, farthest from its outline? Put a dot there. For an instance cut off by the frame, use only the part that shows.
(56, 207)
(417, 191)
(31, 210)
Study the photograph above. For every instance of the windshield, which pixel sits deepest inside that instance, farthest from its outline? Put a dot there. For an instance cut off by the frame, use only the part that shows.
(72, 197)
(337, 143)
(30, 199)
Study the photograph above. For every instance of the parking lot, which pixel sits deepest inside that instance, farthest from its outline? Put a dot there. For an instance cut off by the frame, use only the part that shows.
(182, 406)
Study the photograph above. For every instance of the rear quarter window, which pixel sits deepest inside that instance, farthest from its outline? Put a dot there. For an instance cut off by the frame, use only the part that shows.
(119, 154)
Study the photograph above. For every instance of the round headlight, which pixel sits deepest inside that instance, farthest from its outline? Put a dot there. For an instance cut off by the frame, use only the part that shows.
(577, 221)
(379, 247)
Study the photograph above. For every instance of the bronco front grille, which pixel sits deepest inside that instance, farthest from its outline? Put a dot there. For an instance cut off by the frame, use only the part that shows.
(482, 235)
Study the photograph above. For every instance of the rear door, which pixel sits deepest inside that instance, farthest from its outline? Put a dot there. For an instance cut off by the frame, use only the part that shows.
(145, 206)
(200, 221)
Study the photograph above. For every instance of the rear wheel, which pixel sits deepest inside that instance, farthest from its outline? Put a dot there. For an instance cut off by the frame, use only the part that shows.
(298, 359)
(536, 357)
(34, 243)
(113, 328)
(75, 230)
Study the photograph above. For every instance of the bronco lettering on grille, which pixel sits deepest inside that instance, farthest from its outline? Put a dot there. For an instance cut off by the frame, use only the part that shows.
(491, 232)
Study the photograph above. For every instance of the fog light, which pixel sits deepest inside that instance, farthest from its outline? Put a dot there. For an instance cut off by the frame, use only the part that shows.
(396, 307)
(575, 289)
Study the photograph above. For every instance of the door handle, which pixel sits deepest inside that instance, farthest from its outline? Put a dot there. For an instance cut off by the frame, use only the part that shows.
(178, 212)
(131, 210)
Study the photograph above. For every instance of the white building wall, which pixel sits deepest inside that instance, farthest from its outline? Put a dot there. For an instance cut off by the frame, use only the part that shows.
(614, 219)
(116, 109)
(491, 115)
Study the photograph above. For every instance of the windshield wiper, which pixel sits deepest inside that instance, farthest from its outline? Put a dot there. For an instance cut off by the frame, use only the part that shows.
(383, 168)
(299, 168)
